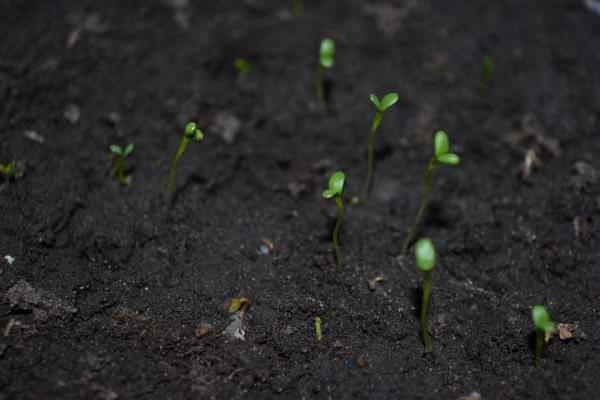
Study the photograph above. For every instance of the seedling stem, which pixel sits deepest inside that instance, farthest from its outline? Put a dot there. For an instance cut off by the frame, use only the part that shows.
(380, 106)
(425, 258)
(441, 156)
(425, 311)
(119, 168)
(335, 191)
(191, 132)
(318, 331)
(326, 61)
(544, 328)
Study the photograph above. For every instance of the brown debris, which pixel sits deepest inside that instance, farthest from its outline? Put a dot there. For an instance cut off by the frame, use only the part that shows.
(22, 296)
(204, 329)
(569, 331)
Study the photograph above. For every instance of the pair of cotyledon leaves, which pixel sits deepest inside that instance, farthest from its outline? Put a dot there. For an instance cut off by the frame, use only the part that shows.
(388, 100)
(192, 132)
(336, 185)
(118, 150)
(541, 320)
(441, 149)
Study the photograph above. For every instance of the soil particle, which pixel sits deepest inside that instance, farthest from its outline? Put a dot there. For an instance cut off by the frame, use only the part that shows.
(24, 297)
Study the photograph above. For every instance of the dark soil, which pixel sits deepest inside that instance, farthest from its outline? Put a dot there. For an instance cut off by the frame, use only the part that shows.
(107, 287)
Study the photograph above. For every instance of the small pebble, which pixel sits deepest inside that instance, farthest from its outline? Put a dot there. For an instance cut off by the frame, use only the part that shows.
(204, 329)
(72, 113)
(33, 135)
(9, 259)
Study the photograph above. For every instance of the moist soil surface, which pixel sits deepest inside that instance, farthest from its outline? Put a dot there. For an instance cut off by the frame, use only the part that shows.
(110, 295)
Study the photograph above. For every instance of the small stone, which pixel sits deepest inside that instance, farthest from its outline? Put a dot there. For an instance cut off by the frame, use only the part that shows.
(9, 259)
(204, 329)
(373, 283)
(361, 362)
(473, 396)
(227, 126)
(72, 113)
(337, 344)
(33, 135)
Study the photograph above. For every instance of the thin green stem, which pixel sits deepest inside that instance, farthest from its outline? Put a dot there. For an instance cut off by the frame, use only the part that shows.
(336, 231)
(173, 171)
(419, 219)
(539, 347)
(121, 178)
(370, 154)
(425, 311)
(321, 85)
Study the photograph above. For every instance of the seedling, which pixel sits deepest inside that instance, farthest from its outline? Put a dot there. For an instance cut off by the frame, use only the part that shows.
(425, 259)
(297, 7)
(326, 61)
(488, 70)
(242, 66)
(318, 331)
(12, 171)
(544, 328)
(191, 132)
(335, 192)
(441, 156)
(118, 169)
(380, 107)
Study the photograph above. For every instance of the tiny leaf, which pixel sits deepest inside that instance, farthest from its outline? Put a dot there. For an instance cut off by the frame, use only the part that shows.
(375, 101)
(441, 143)
(328, 194)
(389, 100)
(425, 255)
(128, 150)
(449, 159)
(192, 132)
(116, 149)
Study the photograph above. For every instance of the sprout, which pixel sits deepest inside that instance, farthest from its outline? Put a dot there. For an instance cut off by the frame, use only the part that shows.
(12, 171)
(326, 61)
(118, 168)
(380, 106)
(297, 7)
(544, 328)
(191, 132)
(335, 191)
(441, 156)
(488, 70)
(426, 259)
(318, 331)
(242, 66)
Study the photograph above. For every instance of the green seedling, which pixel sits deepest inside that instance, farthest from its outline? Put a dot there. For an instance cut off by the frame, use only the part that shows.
(118, 169)
(380, 107)
(326, 61)
(12, 171)
(242, 66)
(426, 259)
(488, 70)
(297, 7)
(191, 132)
(441, 156)
(335, 192)
(318, 331)
(544, 328)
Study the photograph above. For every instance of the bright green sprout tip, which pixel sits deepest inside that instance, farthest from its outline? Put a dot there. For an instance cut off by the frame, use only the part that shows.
(425, 255)
(327, 53)
(192, 132)
(118, 169)
(544, 328)
(336, 185)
